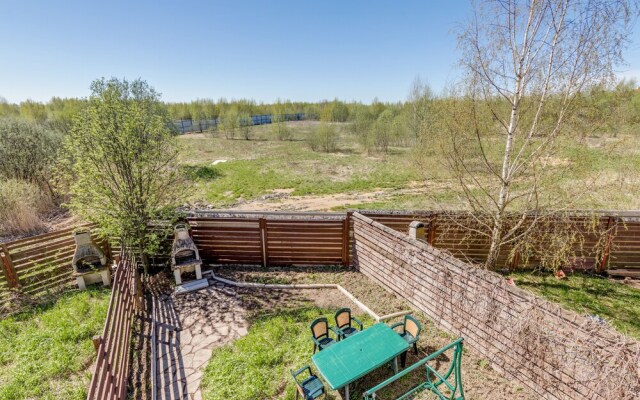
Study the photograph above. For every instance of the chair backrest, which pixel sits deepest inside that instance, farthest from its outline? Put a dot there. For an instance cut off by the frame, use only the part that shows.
(295, 379)
(320, 327)
(412, 326)
(343, 317)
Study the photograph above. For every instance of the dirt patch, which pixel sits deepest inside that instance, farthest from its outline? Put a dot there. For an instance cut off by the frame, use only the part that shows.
(282, 200)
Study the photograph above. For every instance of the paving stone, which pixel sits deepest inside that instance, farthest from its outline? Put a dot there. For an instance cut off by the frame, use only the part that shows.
(207, 318)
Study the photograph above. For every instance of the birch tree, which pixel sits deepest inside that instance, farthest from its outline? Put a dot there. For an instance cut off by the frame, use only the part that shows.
(525, 62)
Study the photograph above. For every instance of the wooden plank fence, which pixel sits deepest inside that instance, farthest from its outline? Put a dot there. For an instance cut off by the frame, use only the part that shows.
(42, 263)
(109, 381)
(273, 239)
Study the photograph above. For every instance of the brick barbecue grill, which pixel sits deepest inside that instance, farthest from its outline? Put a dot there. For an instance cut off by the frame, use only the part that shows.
(89, 261)
(184, 254)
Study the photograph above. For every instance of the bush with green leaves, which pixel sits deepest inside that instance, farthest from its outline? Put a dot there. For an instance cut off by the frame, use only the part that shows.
(123, 159)
(28, 151)
(229, 123)
(245, 123)
(324, 138)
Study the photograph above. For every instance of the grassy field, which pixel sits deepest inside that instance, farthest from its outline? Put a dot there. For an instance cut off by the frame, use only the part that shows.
(265, 173)
(45, 353)
(617, 303)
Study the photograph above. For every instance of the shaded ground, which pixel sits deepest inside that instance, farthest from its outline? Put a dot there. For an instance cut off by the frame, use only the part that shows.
(480, 381)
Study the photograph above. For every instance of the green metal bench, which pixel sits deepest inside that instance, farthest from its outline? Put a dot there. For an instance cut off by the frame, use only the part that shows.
(455, 387)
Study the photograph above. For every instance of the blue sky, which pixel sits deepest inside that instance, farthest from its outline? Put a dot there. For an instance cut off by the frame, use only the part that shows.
(265, 50)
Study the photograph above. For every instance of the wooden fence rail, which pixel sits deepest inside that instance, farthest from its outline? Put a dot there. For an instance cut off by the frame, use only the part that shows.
(109, 381)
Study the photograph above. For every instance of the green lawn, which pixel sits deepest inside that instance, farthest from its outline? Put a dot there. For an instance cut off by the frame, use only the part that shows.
(45, 352)
(257, 366)
(615, 302)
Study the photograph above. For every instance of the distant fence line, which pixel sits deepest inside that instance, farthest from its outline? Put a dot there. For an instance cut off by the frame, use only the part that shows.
(188, 125)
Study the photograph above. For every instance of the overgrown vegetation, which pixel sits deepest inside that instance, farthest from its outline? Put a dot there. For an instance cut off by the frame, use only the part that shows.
(45, 352)
(615, 302)
(22, 207)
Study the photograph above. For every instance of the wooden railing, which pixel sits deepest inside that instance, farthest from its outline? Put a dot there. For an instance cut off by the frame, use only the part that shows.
(109, 381)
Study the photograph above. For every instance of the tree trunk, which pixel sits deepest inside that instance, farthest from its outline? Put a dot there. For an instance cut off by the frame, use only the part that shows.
(505, 180)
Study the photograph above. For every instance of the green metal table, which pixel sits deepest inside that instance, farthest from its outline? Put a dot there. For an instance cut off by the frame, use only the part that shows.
(356, 356)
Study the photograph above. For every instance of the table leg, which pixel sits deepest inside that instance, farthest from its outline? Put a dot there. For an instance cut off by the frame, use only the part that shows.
(346, 392)
(395, 365)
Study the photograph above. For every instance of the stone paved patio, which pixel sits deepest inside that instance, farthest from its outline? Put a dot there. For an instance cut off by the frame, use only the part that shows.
(190, 326)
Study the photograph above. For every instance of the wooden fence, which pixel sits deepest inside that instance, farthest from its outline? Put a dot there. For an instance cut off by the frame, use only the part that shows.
(273, 239)
(109, 381)
(609, 239)
(40, 264)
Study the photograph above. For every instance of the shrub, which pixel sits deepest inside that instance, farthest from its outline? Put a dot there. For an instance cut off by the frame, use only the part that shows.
(280, 129)
(246, 125)
(28, 151)
(22, 205)
(324, 138)
(229, 123)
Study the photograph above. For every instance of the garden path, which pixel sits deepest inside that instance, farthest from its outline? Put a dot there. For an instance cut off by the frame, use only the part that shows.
(189, 327)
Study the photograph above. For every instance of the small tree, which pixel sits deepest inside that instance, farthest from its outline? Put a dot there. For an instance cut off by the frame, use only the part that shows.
(362, 126)
(229, 122)
(420, 106)
(279, 127)
(382, 130)
(324, 138)
(246, 125)
(123, 162)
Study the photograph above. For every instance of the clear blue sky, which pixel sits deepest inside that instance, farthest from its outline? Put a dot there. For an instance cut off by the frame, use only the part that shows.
(265, 50)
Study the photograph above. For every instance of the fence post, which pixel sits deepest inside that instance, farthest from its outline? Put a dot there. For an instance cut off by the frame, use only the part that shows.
(97, 339)
(9, 270)
(607, 246)
(345, 239)
(431, 235)
(263, 242)
(515, 262)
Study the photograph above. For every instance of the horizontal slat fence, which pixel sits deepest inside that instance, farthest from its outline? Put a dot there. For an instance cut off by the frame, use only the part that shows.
(272, 239)
(40, 264)
(612, 241)
(109, 381)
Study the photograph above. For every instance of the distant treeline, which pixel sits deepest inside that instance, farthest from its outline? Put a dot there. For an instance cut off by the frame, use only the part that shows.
(619, 104)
